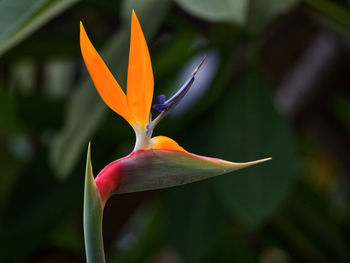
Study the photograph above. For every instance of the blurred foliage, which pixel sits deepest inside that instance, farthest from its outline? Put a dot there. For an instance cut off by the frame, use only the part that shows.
(252, 194)
(292, 209)
(20, 18)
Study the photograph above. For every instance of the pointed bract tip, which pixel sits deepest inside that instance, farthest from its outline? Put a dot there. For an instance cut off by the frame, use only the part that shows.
(234, 165)
(264, 160)
(199, 65)
(258, 161)
(88, 159)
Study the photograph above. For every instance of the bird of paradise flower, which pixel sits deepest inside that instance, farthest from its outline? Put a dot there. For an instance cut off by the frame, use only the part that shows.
(156, 162)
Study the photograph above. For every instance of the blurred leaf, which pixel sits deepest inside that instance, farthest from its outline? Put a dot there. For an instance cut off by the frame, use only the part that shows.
(249, 127)
(217, 11)
(24, 113)
(45, 44)
(261, 13)
(60, 76)
(36, 205)
(341, 108)
(171, 56)
(332, 10)
(194, 220)
(232, 246)
(253, 14)
(145, 230)
(309, 221)
(9, 171)
(85, 110)
(9, 122)
(20, 18)
(32, 116)
(67, 236)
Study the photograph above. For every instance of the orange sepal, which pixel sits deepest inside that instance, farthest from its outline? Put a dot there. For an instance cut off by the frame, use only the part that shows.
(165, 143)
(105, 83)
(140, 75)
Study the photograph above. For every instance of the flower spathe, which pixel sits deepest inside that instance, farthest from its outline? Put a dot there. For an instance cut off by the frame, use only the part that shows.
(156, 162)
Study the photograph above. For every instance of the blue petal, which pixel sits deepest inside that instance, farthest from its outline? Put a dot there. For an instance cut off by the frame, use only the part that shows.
(161, 99)
(159, 107)
(176, 98)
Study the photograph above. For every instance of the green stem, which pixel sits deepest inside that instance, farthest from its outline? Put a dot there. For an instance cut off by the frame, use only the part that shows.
(93, 213)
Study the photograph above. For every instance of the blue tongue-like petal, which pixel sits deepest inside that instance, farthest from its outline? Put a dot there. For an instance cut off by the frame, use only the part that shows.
(161, 99)
(166, 105)
(159, 107)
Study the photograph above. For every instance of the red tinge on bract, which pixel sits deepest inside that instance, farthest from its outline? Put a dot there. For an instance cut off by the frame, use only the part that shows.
(157, 168)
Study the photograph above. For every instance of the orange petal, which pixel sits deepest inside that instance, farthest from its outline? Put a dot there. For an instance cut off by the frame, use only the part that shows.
(106, 85)
(140, 75)
(165, 143)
